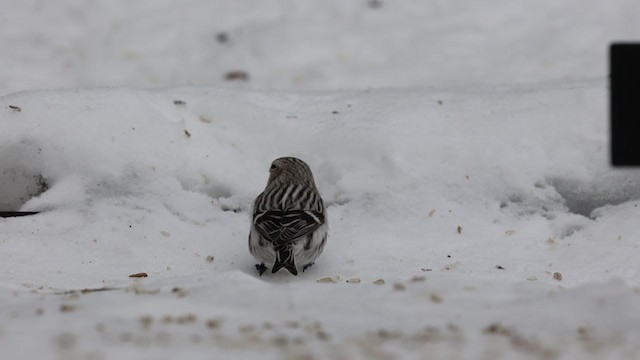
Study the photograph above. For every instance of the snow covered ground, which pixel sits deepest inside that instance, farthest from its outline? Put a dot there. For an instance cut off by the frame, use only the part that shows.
(290, 44)
(472, 210)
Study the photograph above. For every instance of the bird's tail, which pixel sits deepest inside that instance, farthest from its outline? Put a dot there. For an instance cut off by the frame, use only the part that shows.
(284, 259)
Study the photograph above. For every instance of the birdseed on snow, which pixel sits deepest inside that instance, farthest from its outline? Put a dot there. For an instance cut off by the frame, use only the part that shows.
(557, 276)
(67, 308)
(329, 279)
(213, 323)
(138, 275)
(180, 292)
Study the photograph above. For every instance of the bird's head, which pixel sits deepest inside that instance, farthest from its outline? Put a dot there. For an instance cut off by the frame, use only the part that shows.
(290, 170)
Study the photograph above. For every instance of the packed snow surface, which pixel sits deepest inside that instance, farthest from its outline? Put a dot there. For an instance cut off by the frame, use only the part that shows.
(491, 216)
(472, 210)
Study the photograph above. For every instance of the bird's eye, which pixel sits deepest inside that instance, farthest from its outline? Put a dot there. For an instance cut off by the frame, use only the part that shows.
(273, 167)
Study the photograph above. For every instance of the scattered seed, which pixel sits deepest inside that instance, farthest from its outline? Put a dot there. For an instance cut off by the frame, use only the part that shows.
(186, 319)
(213, 323)
(139, 275)
(426, 269)
(418, 278)
(433, 211)
(496, 328)
(187, 133)
(332, 279)
(15, 108)
(439, 102)
(509, 232)
(210, 258)
(40, 311)
(499, 267)
(236, 75)
(399, 286)
(165, 233)
(459, 229)
(205, 119)
(557, 276)
(180, 292)
(354, 281)
(532, 278)
(179, 102)
(67, 308)
(379, 282)
(436, 298)
(167, 319)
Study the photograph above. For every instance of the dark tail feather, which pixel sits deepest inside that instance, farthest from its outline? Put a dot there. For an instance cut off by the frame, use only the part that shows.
(284, 259)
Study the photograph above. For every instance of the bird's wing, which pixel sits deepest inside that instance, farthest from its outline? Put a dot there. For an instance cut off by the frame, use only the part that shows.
(283, 226)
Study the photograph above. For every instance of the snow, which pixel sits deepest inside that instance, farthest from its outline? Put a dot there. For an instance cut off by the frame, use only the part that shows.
(479, 192)
(286, 44)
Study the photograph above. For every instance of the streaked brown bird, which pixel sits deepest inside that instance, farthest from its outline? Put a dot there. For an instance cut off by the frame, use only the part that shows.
(289, 227)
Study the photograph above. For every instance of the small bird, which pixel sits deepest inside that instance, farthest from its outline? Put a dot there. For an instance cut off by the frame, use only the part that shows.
(289, 224)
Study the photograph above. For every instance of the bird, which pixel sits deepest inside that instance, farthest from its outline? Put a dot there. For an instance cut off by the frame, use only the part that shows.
(289, 221)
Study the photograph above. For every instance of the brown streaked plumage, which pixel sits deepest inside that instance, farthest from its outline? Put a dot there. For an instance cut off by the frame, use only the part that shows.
(289, 226)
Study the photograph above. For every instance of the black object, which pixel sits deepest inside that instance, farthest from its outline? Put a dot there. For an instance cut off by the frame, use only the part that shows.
(261, 268)
(624, 67)
(6, 214)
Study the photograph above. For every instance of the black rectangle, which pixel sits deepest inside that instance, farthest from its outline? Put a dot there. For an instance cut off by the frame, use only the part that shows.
(624, 67)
